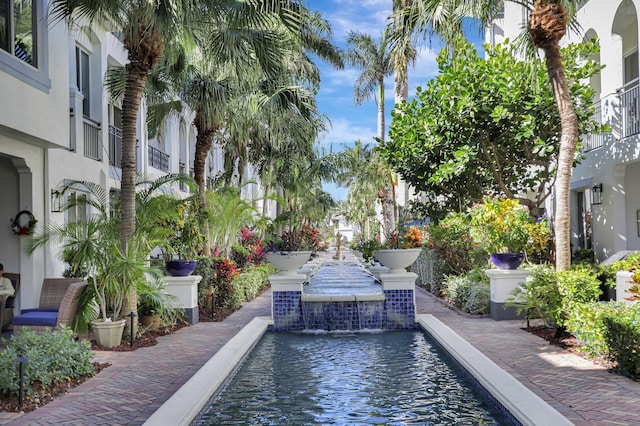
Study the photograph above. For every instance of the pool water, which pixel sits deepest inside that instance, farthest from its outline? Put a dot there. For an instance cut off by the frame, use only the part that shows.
(393, 377)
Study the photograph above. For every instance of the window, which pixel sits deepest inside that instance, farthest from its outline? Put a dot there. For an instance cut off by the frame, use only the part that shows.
(18, 30)
(79, 207)
(631, 67)
(82, 79)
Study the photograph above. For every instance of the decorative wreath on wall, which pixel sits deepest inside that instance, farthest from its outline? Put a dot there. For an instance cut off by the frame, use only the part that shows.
(24, 223)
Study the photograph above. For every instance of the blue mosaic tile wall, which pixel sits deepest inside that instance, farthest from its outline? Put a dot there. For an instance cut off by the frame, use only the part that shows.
(350, 315)
(400, 311)
(287, 311)
(397, 312)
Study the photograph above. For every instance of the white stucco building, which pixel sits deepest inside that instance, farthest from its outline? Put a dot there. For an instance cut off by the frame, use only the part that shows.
(58, 124)
(605, 189)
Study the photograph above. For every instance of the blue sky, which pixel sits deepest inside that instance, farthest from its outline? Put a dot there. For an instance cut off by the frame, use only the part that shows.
(335, 98)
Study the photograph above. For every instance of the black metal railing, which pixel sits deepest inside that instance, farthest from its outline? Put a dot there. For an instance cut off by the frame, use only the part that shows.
(592, 141)
(115, 146)
(630, 121)
(158, 159)
(91, 137)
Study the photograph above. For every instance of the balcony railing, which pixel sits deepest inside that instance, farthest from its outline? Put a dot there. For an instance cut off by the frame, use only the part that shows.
(115, 146)
(91, 136)
(629, 95)
(593, 141)
(158, 159)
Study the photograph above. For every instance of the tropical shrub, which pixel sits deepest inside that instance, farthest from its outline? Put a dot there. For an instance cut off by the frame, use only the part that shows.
(470, 292)
(539, 296)
(584, 256)
(224, 273)
(622, 336)
(503, 225)
(552, 296)
(586, 323)
(53, 357)
(452, 242)
(249, 284)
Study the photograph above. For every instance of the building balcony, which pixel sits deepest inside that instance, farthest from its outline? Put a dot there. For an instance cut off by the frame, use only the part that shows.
(158, 159)
(115, 146)
(92, 139)
(593, 141)
(630, 121)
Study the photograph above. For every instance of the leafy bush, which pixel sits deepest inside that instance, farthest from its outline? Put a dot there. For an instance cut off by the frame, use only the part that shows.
(552, 296)
(217, 276)
(622, 336)
(584, 256)
(452, 242)
(249, 284)
(539, 296)
(470, 293)
(53, 357)
(586, 323)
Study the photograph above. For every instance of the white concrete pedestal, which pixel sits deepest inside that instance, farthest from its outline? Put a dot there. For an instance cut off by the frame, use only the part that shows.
(624, 281)
(502, 283)
(185, 289)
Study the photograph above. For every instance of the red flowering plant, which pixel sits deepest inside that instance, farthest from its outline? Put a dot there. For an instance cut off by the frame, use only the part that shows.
(248, 249)
(305, 239)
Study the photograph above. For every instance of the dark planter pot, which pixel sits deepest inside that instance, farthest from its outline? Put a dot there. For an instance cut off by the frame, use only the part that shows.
(507, 260)
(180, 268)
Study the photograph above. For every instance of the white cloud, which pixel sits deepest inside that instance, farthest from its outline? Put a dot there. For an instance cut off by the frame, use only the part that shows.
(344, 131)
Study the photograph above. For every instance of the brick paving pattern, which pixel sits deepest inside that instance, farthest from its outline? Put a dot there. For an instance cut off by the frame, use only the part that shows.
(138, 382)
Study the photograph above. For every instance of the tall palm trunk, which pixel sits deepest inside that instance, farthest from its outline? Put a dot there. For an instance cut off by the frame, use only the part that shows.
(143, 54)
(203, 146)
(547, 25)
(134, 87)
(381, 109)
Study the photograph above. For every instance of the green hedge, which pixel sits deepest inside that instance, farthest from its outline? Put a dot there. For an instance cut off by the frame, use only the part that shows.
(248, 284)
(469, 292)
(53, 357)
(622, 336)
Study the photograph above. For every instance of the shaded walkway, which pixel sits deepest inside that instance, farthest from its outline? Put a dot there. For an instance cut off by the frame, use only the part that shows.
(138, 382)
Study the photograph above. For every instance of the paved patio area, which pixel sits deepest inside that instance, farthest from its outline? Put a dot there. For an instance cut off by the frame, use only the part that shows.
(138, 382)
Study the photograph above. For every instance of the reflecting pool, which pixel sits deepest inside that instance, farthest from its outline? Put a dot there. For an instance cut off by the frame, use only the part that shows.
(393, 377)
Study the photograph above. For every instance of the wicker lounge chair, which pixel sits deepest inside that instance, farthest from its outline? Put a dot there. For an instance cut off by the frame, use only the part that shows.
(49, 316)
(7, 302)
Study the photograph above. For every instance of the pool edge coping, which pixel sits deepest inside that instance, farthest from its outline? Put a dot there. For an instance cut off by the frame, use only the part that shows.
(190, 399)
(527, 407)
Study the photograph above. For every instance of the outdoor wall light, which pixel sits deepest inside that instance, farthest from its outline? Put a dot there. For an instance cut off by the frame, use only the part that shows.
(56, 201)
(596, 194)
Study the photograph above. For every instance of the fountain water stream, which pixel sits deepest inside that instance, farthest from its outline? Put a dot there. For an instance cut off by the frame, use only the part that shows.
(342, 295)
(339, 293)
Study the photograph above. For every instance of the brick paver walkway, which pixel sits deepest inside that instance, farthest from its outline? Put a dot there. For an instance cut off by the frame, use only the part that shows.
(138, 382)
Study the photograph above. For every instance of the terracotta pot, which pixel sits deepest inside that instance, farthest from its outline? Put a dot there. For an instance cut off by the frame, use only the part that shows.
(150, 322)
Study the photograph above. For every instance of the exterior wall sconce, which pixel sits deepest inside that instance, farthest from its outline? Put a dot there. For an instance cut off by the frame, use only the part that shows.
(596, 194)
(56, 201)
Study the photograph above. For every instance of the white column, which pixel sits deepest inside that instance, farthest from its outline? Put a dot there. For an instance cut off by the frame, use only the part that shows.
(503, 282)
(185, 289)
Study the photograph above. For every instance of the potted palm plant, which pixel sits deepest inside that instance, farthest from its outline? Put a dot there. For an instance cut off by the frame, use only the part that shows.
(92, 248)
(183, 237)
(507, 230)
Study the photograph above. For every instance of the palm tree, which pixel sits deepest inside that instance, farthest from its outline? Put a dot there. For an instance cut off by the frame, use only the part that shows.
(547, 25)
(376, 62)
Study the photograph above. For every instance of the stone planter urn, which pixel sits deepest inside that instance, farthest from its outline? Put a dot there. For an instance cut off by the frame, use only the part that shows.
(180, 268)
(108, 333)
(507, 261)
(288, 262)
(397, 260)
